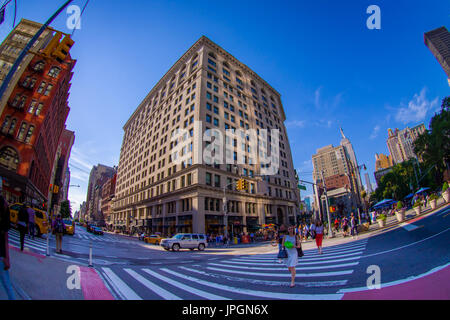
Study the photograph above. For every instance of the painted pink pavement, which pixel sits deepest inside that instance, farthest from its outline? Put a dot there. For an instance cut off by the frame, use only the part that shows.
(92, 285)
(434, 286)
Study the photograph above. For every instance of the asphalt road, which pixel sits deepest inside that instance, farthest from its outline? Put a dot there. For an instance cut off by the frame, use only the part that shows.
(134, 270)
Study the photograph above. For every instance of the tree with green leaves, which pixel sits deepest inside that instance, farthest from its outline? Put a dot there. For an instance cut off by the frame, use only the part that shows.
(433, 146)
(66, 210)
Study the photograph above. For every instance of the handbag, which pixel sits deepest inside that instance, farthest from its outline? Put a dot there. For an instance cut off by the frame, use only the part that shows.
(300, 252)
(282, 254)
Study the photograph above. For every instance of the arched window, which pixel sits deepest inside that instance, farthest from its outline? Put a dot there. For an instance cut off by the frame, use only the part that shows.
(9, 158)
(54, 72)
(39, 66)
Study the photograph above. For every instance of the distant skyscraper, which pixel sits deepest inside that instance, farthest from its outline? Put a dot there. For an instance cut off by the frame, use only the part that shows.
(368, 183)
(438, 41)
(345, 142)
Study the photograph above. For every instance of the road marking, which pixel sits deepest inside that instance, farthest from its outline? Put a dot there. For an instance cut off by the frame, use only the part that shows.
(285, 275)
(177, 284)
(344, 265)
(409, 226)
(397, 282)
(119, 286)
(264, 294)
(153, 287)
(247, 281)
(405, 246)
(320, 257)
(301, 262)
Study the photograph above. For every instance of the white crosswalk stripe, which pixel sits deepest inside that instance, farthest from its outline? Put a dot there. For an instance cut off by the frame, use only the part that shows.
(37, 244)
(242, 277)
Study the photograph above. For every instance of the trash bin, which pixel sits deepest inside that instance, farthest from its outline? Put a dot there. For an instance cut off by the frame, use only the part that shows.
(235, 240)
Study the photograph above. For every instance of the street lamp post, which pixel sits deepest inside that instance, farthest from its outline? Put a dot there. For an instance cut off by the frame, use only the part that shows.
(330, 231)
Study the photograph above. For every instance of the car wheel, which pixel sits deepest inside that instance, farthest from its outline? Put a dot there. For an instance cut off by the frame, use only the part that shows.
(201, 247)
(176, 247)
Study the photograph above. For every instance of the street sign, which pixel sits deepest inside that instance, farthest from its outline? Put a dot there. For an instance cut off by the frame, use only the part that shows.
(301, 187)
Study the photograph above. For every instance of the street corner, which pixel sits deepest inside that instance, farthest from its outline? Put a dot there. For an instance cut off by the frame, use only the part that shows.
(433, 285)
(91, 284)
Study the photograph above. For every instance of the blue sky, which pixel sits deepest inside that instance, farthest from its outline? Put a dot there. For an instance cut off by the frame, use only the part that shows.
(331, 70)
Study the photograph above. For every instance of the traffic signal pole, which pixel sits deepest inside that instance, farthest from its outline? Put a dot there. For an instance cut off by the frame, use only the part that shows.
(25, 50)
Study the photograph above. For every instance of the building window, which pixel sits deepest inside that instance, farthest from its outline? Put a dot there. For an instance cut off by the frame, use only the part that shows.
(21, 133)
(208, 179)
(54, 72)
(41, 87)
(9, 158)
(49, 88)
(217, 181)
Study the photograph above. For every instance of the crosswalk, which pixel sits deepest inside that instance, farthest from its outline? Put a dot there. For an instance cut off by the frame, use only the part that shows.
(99, 238)
(241, 277)
(37, 244)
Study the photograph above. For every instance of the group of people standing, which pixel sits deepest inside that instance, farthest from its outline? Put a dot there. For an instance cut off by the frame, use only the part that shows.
(345, 224)
(293, 237)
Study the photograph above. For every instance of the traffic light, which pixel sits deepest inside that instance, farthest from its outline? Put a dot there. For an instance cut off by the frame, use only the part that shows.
(52, 45)
(63, 48)
(240, 184)
(245, 185)
(56, 49)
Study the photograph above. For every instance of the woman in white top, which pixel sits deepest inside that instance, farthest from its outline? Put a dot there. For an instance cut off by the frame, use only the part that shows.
(292, 260)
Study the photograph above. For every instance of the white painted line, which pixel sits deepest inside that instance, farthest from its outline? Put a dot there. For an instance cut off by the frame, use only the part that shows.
(119, 286)
(320, 257)
(285, 274)
(306, 284)
(184, 287)
(315, 254)
(17, 245)
(153, 287)
(344, 265)
(409, 226)
(397, 282)
(408, 245)
(264, 294)
(300, 262)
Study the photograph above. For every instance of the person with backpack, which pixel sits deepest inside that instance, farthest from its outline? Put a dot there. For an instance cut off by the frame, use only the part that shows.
(58, 230)
(22, 224)
(345, 226)
(4, 249)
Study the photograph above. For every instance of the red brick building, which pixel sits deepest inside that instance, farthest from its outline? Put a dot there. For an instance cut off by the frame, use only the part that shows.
(108, 192)
(31, 127)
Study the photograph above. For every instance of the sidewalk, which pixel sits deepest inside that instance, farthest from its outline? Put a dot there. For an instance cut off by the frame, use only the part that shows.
(38, 277)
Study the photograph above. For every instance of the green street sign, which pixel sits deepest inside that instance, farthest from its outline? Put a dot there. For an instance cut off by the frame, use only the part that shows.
(301, 187)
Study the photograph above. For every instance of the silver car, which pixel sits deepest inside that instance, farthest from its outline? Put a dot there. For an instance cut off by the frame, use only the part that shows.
(185, 241)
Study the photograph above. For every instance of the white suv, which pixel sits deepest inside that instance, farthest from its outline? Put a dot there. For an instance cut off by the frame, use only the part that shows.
(185, 241)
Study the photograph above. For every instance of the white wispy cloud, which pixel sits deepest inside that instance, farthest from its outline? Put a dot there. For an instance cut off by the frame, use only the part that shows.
(417, 108)
(375, 132)
(296, 123)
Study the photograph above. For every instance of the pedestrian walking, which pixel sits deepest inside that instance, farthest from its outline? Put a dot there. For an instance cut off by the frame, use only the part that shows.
(4, 249)
(22, 224)
(312, 230)
(319, 235)
(306, 231)
(336, 224)
(279, 236)
(31, 222)
(291, 242)
(354, 226)
(345, 226)
(58, 230)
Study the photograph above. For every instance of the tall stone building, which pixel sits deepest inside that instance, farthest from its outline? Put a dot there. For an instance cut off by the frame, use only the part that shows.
(438, 41)
(98, 176)
(168, 191)
(401, 143)
(383, 161)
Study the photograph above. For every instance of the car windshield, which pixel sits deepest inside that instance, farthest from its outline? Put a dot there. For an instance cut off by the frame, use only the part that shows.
(69, 222)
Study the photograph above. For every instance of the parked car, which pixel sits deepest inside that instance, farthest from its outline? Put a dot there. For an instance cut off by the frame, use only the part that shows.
(185, 241)
(40, 218)
(97, 230)
(153, 239)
